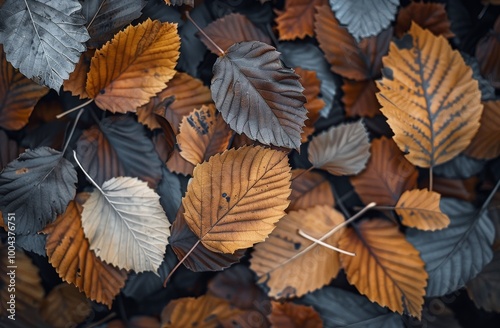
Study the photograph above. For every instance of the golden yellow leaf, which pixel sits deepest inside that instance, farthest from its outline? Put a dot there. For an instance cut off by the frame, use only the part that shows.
(65, 307)
(386, 268)
(134, 66)
(420, 209)
(291, 265)
(432, 103)
(236, 197)
(486, 143)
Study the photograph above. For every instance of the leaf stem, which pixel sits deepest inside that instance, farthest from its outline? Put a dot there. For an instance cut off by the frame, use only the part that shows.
(319, 242)
(72, 130)
(222, 53)
(431, 177)
(490, 197)
(86, 174)
(75, 108)
(180, 262)
(303, 172)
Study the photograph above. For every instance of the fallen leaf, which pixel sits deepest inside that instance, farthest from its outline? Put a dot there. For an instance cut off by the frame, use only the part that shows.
(464, 189)
(148, 53)
(228, 212)
(314, 104)
(291, 265)
(296, 21)
(485, 144)
(431, 16)
(432, 103)
(77, 80)
(385, 258)
(484, 289)
(177, 164)
(258, 96)
(179, 2)
(290, 315)
(360, 99)
(309, 189)
(341, 150)
(487, 51)
(8, 150)
(156, 109)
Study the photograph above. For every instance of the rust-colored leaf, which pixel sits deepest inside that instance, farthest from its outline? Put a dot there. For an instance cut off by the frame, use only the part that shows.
(431, 16)
(360, 99)
(432, 103)
(65, 306)
(157, 106)
(455, 188)
(77, 81)
(488, 52)
(387, 175)
(486, 143)
(309, 189)
(290, 315)
(419, 208)
(386, 268)
(291, 265)
(236, 197)
(297, 20)
(203, 134)
(69, 253)
(134, 66)
(314, 104)
(177, 164)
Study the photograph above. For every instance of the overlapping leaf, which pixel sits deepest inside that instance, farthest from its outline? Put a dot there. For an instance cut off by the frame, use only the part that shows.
(487, 51)
(297, 20)
(290, 315)
(314, 104)
(69, 253)
(431, 16)
(309, 189)
(432, 103)
(484, 288)
(177, 164)
(360, 99)
(258, 96)
(385, 258)
(125, 214)
(8, 150)
(37, 187)
(485, 144)
(291, 265)
(43, 39)
(236, 197)
(77, 80)
(134, 66)
(179, 2)
(342, 150)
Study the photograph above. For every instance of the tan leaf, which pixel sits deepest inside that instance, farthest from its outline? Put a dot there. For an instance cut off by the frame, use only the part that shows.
(432, 103)
(290, 315)
(420, 209)
(314, 104)
(134, 66)
(68, 252)
(431, 16)
(360, 99)
(386, 268)
(309, 189)
(297, 20)
(291, 265)
(77, 81)
(486, 143)
(65, 307)
(203, 134)
(236, 197)
(341, 150)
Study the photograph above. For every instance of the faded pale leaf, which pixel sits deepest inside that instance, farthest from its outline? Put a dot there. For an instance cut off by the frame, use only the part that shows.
(297, 20)
(291, 265)
(431, 16)
(134, 66)
(77, 80)
(258, 96)
(419, 208)
(314, 104)
(342, 150)
(65, 306)
(385, 258)
(486, 143)
(290, 315)
(309, 189)
(432, 103)
(236, 197)
(125, 214)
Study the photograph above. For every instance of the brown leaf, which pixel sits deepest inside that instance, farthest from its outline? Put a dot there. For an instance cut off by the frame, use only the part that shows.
(431, 16)
(231, 29)
(18, 95)
(455, 188)
(77, 81)
(360, 99)
(386, 268)
(165, 140)
(309, 189)
(8, 150)
(291, 265)
(177, 164)
(236, 197)
(65, 307)
(432, 103)
(387, 175)
(314, 104)
(69, 253)
(486, 143)
(157, 105)
(134, 66)
(297, 20)
(203, 134)
(488, 52)
(290, 315)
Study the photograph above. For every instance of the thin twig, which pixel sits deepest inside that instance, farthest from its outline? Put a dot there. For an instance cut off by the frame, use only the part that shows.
(222, 52)
(490, 197)
(86, 174)
(319, 242)
(75, 108)
(180, 262)
(303, 172)
(72, 130)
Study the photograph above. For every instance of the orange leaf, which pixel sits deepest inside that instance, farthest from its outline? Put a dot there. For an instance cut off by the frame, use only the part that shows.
(309, 189)
(360, 99)
(431, 16)
(290, 315)
(134, 66)
(203, 134)
(291, 265)
(432, 103)
(77, 81)
(18, 95)
(314, 104)
(297, 20)
(386, 176)
(157, 105)
(69, 253)
(65, 306)
(420, 209)
(386, 268)
(486, 143)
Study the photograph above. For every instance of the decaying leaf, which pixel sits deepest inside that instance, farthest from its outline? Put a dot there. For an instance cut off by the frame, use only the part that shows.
(236, 197)
(432, 103)
(125, 214)
(297, 20)
(342, 150)
(258, 96)
(69, 253)
(385, 258)
(134, 66)
(314, 104)
(486, 143)
(291, 265)
(309, 189)
(419, 208)
(290, 315)
(431, 16)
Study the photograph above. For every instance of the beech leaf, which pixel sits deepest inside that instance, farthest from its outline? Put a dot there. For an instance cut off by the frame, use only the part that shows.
(286, 315)
(431, 16)
(309, 189)
(257, 96)
(297, 20)
(484, 288)
(485, 144)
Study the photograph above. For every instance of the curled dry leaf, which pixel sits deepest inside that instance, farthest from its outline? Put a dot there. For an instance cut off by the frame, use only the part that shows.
(309, 189)
(420, 209)
(432, 108)
(69, 253)
(155, 110)
(126, 214)
(314, 104)
(236, 197)
(77, 81)
(147, 56)
(291, 265)
(290, 315)
(258, 96)
(385, 258)
(486, 143)
(342, 150)
(231, 29)
(203, 134)
(297, 20)
(431, 16)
